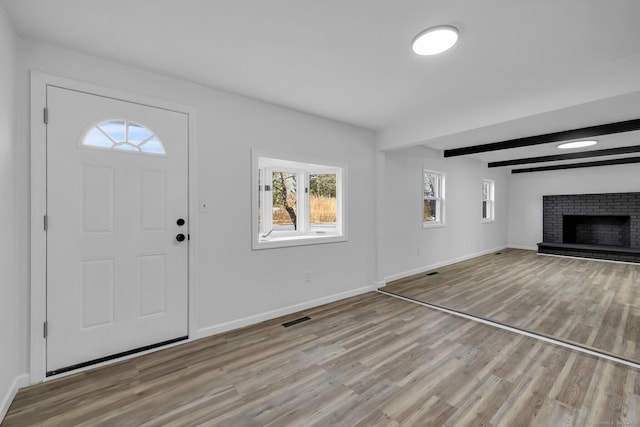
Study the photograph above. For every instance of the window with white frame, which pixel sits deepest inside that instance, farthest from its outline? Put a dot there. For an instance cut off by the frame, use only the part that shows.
(296, 202)
(433, 198)
(123, 135)
(488, 194)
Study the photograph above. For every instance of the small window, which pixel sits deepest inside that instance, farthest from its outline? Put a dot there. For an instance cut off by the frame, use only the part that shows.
(296, 203)
(433, 198)
(488, 191)
(284, 193)
(323, 202)
(123, 135)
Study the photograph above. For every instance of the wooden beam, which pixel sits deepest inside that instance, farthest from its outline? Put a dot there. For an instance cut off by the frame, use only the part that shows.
(568, 156)
(579, 165)
(567, 135)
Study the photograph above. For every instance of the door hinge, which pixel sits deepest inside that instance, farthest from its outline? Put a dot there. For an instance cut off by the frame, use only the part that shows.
(46, 223)
(45, 329)
(46, 116)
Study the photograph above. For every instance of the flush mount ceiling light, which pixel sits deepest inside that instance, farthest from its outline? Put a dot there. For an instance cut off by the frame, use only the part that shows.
(435, 40)
(577, 144)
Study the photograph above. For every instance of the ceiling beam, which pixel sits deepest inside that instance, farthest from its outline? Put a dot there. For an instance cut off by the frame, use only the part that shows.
(566, 135)
(579, 165)
(568, 156)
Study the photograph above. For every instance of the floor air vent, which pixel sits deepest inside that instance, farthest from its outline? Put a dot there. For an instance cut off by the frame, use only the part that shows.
(295, 322)
(433, 273)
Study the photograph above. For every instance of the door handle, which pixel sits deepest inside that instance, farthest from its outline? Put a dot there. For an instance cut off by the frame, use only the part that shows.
(180, 222)
(180, 237)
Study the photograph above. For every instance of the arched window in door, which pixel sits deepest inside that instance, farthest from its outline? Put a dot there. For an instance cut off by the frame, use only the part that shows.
(123, 135)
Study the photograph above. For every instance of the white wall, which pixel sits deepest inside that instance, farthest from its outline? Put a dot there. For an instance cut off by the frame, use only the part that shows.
(235, 284)
(526, 191)
(405, 247)
(10, 283)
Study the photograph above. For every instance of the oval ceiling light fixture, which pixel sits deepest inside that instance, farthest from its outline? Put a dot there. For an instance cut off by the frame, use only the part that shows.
(577, 144)
(435, 40)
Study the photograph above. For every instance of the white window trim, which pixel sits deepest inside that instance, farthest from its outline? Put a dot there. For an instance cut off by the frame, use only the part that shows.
(441, 205)
(491, 201)
(302, 236)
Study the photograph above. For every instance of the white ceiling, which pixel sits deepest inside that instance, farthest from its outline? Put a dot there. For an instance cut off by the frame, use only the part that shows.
(351, 60)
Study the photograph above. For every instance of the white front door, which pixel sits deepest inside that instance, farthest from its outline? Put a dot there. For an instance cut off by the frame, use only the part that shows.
(117, 192)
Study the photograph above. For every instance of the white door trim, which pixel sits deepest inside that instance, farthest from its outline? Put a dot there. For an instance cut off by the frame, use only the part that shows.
(38, 255)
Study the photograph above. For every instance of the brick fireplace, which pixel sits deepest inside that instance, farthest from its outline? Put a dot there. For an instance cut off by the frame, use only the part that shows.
(604, 226)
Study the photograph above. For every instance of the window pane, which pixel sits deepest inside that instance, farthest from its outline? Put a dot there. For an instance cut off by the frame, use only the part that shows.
(260, 193)
(430, 185)
(430, 212)
(138, 133)
(322, 202)
(488, 188)
(95, 138)
(285, 209)
(115, 129)
(153, 146)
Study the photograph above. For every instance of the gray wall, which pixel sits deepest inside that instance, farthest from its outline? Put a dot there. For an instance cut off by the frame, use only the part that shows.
(526, 191)
(236, 285)
(10, 282)
(407, 248)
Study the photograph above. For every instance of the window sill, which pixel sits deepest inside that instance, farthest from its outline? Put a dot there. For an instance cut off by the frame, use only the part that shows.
(433, 225)
(299, 240)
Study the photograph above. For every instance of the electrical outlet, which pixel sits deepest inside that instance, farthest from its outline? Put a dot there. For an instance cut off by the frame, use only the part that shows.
(307, 276)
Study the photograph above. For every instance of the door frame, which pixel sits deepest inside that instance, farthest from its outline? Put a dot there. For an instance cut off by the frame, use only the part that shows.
(38, 238)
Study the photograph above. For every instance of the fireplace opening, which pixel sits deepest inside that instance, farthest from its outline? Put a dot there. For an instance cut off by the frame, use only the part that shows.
(602, 230)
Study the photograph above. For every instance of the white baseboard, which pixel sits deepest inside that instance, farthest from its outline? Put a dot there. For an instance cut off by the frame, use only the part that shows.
(227, 326)
(440, 264)
(250, 320)
(526, 248)
(379, 284)
(19, 382)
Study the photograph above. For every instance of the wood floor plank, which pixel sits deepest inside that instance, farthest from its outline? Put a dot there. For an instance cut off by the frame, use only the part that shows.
(371, 360)
(581, 301)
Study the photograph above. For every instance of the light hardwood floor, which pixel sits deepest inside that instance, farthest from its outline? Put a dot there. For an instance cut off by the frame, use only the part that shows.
(365, 361)
(592, 303)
